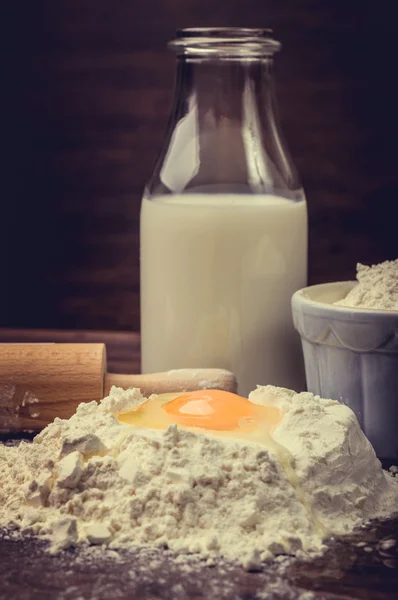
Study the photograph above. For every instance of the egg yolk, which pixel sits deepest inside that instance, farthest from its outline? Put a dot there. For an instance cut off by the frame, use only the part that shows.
(215, 410)
(210, 409)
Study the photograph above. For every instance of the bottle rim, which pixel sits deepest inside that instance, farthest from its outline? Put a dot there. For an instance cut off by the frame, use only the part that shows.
(224, 41)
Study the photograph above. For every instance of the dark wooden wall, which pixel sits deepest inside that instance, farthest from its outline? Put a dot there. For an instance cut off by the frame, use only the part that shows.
(88, 89)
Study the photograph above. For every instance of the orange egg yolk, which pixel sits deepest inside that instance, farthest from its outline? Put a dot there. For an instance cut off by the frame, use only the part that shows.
(210, 409)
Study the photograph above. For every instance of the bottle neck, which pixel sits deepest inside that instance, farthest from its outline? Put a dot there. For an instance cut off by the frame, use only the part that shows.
(223, 132)
(225, 89)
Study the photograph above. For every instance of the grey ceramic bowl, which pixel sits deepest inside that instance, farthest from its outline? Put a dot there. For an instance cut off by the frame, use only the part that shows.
(351, 355)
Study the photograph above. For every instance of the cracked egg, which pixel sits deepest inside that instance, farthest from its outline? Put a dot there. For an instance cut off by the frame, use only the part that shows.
(220, 413)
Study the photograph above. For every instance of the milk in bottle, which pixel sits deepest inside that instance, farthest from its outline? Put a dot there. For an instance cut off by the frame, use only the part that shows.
(223, 220)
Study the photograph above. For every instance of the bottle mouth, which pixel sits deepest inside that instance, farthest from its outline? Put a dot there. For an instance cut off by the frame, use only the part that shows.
(224, 41)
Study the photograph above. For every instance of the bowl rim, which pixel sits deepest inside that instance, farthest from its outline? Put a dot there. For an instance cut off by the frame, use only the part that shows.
(302, 297)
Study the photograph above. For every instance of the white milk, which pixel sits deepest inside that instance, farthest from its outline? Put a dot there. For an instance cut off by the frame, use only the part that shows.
(217, 276)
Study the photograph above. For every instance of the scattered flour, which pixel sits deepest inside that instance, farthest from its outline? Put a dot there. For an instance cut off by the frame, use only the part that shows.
(91, 480)
(377, 287)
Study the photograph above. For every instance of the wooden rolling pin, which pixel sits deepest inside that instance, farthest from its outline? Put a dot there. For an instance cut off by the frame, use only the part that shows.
(39, 382)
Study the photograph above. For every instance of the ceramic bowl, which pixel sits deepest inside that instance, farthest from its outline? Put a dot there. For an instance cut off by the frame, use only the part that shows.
(351, 355)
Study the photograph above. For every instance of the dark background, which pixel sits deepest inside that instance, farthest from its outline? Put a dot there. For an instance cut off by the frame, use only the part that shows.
(88, 86)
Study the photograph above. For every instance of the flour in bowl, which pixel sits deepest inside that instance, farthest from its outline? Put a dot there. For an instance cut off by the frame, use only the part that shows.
(93, 480)
(377, 287)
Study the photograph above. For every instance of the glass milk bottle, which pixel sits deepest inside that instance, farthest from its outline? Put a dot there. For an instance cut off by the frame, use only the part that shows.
(223, 219)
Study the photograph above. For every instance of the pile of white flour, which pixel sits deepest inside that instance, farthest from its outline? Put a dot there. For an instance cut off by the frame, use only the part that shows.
(91, 480)
(377, 287)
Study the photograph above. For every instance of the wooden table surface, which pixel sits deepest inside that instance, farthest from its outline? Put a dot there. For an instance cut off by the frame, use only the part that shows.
(354, 568)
